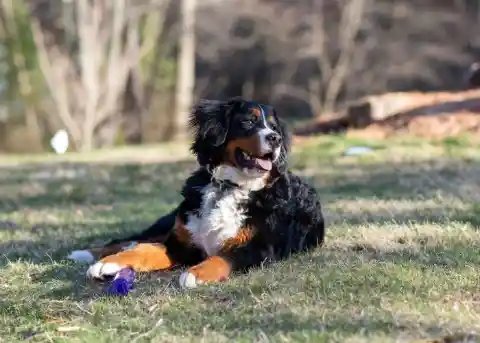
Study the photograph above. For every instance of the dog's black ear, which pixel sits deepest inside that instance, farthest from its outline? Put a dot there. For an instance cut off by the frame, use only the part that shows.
(281, 164)
(210, 122)
(211, 119)
(286, 136)
(233, 105)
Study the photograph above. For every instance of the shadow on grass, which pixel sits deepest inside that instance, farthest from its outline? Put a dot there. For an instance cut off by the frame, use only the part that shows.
(52, 242)
(398, 180)
(60, 185)
(286, 323)
(470, 216)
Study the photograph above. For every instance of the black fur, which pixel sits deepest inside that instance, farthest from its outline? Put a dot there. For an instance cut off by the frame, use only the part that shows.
(285, 216)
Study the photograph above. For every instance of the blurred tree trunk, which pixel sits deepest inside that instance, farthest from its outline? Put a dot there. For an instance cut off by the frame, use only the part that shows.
(324, 90)
(185, 69)
(133, 108)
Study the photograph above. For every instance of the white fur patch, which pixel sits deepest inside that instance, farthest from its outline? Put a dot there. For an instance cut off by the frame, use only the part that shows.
(219, 220)
(101, 270)
(264, 133)
(188, 280)
(81, 256)
(276, 154)
(247, 179)
(265, 147)
(221, 216)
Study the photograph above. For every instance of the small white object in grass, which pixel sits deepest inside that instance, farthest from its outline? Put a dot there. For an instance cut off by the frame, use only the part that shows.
(188, 280)
(81, 256)
(59, 142)
(357, 150)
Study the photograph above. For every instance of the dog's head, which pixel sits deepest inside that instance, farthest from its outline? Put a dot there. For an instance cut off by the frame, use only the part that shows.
(243, 136)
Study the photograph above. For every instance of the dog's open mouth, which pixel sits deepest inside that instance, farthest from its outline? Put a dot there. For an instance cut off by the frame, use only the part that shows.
(247, 160)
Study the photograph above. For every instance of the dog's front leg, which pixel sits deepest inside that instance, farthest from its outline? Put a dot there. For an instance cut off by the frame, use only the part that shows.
(237, 254)
(150, 256)
(213, 269)
(143, 257)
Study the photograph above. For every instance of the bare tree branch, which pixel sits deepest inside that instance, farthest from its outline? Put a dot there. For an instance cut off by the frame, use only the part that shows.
(87, 90)
(350, 24)
(319, 40)
(90, 53)
(186, 68)
(56, 78)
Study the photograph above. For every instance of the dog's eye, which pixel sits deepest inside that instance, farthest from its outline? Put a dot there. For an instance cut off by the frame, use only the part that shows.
(249, 123)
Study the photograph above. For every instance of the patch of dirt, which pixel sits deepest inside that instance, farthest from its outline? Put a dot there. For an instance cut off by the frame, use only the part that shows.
(435, 127)
(429, 115)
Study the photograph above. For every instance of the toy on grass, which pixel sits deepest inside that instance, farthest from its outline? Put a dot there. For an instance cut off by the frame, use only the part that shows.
(123, 282)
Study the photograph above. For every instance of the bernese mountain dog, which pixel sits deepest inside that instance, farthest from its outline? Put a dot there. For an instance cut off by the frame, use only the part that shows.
(241, 208)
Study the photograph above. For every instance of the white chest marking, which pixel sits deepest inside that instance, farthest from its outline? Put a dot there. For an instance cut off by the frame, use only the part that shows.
(220, 218)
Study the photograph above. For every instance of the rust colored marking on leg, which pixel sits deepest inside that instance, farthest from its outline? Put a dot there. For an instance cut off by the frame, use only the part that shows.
(181, 232)
(243, 236)
(213, 269)
(108, 250)
(144, 257)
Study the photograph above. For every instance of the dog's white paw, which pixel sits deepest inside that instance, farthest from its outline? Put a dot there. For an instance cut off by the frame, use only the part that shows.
(188, 280)
(81, 256)
(102, 270)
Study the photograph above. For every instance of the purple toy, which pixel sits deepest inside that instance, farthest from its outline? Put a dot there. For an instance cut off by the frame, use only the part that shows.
(122, 283)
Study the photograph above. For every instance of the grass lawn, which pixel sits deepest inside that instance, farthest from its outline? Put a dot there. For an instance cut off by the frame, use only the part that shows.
(401, 259)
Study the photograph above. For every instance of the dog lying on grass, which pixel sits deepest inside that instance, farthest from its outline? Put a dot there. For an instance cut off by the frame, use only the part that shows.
(240, 208)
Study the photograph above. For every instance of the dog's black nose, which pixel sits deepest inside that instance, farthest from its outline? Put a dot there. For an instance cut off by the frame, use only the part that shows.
(274, 139)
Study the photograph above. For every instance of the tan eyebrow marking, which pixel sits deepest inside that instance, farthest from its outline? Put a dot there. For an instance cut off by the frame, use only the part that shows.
(257, 112)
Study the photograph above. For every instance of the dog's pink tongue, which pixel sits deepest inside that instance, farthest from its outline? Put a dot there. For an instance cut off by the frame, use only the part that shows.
(264, 164)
